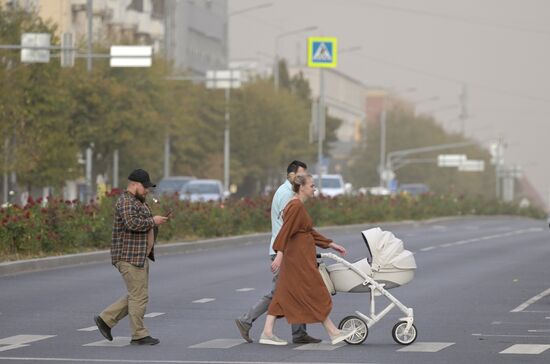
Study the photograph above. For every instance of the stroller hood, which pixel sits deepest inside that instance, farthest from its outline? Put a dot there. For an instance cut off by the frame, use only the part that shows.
(387, 251)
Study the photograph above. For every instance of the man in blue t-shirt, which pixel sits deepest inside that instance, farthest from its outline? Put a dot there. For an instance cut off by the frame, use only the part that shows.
(281, 198)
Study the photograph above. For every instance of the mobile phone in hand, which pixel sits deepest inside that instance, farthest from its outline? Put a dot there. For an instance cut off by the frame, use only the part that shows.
(168, 213)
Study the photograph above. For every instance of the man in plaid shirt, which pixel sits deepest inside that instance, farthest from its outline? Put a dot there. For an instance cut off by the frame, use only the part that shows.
(132, 243)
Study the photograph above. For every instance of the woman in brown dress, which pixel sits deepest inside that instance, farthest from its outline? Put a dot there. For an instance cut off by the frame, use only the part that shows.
(301, 295)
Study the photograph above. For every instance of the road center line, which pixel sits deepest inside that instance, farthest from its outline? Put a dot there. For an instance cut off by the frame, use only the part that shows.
(204, 300)
(531, 300)
(481, 238)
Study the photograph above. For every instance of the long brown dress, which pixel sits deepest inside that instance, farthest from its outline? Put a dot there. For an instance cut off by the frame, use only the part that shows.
(301, 295)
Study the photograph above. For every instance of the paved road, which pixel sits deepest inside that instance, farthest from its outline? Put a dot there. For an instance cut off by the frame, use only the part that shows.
(481, 294)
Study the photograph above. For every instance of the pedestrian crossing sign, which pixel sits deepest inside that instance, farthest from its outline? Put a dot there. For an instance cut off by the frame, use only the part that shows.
(322, 52)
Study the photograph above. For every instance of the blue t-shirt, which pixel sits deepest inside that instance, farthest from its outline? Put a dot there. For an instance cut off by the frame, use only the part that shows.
(280, 199)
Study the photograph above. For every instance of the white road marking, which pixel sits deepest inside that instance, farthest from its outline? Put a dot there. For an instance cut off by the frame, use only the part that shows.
(20, 341)
(94, 328)
(118, 341)
(77, 360)
(11, 347)
(481, 238)
(531, 300)
(324, 345)
(544, 330)
(90, 328)
(426, 347)
(245, 289)
(154, 314)
(23, 339)
(218, 344)
(495, 335)
(525, 349)
(204, 300)
(427, 249)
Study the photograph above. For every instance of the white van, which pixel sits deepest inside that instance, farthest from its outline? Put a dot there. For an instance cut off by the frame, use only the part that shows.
(333, 185)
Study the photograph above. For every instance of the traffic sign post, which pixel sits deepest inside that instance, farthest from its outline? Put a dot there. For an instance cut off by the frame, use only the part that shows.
(322, 52)
(472, 165)
(450, 160)
(35, 47)
(67, 50)
(131, 56)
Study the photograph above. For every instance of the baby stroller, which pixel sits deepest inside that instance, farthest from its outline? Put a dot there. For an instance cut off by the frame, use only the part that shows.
(388, 266)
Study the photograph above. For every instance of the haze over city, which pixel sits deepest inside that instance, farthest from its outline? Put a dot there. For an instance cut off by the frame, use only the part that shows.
(497, 49)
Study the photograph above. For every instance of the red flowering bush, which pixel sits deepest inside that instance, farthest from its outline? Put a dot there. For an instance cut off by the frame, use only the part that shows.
(61, 227)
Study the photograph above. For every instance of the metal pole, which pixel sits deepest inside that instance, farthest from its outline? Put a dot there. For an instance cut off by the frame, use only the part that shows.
(167, 154)
(6, 160)
(321, 129)
(88, 173)
(115, 169)
(382, 166)
(276, 72)
(89, 14)
(226, 141)
(463, 109)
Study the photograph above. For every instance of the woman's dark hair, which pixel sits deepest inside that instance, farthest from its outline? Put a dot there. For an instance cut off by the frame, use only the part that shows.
(294, 165)
(300, 180)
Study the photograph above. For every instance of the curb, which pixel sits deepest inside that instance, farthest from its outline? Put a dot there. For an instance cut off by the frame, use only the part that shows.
(104, 256)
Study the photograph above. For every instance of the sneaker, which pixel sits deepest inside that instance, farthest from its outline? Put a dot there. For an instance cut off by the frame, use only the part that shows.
(104, 329)
(147, 340)
(343, 335)
(244, 330)
(272, 340)
(306, 339)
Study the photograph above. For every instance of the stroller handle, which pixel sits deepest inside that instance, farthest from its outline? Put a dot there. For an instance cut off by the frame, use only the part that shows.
(318, 256)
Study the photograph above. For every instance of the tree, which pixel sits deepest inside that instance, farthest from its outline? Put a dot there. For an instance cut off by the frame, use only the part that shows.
(34, 103)
(405, 131)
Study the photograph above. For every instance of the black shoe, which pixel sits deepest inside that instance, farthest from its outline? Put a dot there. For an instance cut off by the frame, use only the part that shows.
(306, 339)
(147, 340)
(243, 330)
(103, 328)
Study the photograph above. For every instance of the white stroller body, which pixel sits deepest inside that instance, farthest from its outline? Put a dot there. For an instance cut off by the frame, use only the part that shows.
(391, 266)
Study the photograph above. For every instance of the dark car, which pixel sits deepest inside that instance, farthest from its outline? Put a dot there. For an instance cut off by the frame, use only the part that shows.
(414, 189)
(171, 185)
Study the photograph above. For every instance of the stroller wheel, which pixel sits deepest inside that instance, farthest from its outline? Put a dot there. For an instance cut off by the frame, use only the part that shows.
(354, 322)
(399, 335)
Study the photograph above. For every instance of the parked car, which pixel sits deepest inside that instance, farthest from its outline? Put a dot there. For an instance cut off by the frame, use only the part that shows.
(378, 191)
(414, 189)
(171, 185)
(202, 190)
(333, 185)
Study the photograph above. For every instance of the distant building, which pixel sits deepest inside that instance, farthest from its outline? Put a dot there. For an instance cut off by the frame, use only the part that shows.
(196, 35)
(190, 33)
(345, 99)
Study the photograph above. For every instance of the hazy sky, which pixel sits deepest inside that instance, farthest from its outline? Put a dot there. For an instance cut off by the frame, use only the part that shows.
(499, 48)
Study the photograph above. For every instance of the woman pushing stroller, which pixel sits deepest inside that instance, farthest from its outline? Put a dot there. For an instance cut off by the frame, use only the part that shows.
(301, 295)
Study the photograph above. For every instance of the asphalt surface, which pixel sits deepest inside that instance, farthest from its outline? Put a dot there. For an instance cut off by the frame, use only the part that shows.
(480, 294)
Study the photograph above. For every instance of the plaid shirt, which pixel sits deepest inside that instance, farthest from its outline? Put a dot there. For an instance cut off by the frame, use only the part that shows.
(133, 220)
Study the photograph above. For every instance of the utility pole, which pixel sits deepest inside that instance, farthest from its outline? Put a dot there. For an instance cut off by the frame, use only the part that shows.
(321, 129)
(463, 109)
(90, 16)
(382, 165)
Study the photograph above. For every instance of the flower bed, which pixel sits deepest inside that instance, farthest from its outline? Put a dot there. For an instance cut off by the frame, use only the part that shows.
(64, 227)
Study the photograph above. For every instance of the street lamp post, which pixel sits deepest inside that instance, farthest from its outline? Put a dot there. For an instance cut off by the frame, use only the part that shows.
(382, 167)
(276, 62)
(226, 80)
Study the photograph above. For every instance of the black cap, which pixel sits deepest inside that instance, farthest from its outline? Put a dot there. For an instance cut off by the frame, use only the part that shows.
(141, 176)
